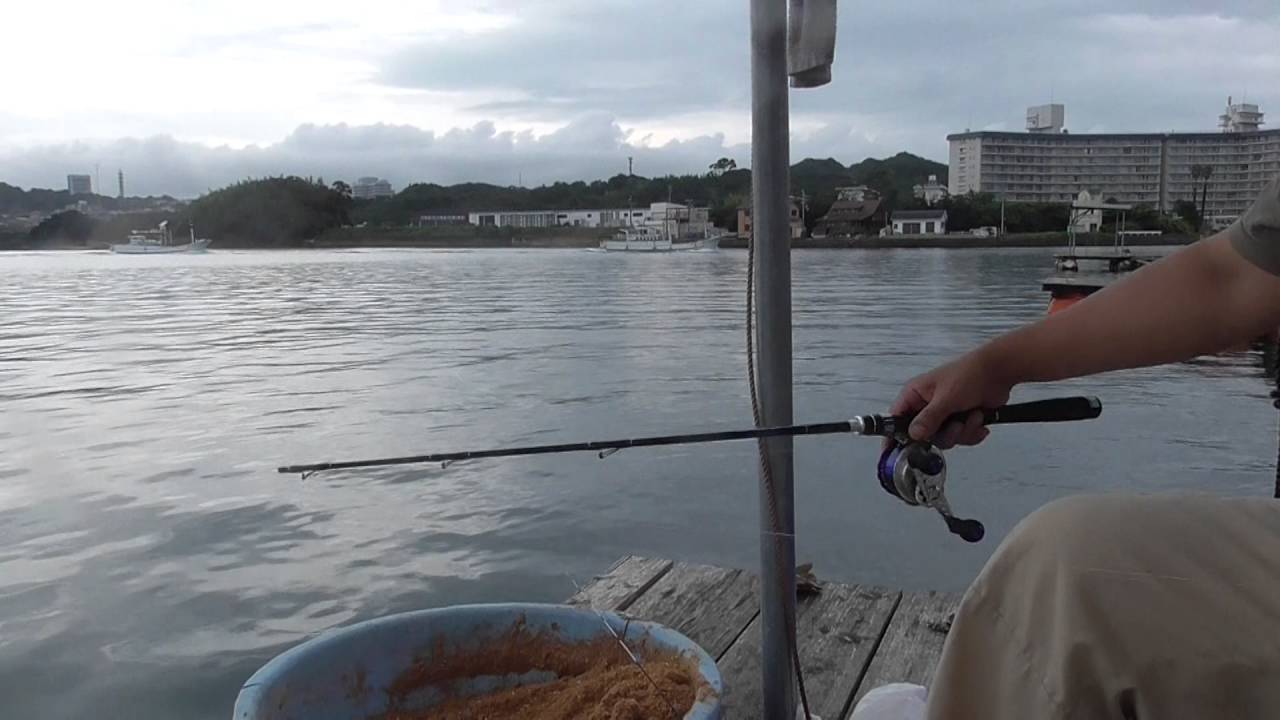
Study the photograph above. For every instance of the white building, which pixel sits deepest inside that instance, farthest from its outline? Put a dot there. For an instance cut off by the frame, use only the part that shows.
(1151, 169)
(79, 184)
(620, 217)
(367, 188)
(1240, 117)
(1046, 118)
(677, 215)
(919, 222)
(930, 191)
(443, 217)
(1087, 221)
(679, 220)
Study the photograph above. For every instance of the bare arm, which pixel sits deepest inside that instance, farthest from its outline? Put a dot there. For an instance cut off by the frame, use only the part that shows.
(1201, 299)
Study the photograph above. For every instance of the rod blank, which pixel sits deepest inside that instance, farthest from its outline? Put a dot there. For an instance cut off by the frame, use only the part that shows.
(1054, 410)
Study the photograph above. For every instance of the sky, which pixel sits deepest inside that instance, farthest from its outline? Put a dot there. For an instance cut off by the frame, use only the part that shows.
(186, 96)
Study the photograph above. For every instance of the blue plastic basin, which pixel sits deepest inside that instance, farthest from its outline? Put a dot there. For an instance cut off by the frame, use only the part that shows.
(345, 674)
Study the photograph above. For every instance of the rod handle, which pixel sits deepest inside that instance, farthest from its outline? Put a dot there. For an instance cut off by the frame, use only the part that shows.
(1064, 409)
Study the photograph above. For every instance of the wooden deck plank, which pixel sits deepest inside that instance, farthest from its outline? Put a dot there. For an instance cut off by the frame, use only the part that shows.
(709, 605)
(837, 631)
(912, 643)
(627, 580)
(852, 638)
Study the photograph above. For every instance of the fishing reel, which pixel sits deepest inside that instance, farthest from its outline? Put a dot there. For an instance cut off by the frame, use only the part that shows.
(916, 473)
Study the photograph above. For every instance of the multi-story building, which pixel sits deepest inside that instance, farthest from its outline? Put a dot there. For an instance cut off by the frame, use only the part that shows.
(745, 222)
(79, 184)
(367, 188)
(1154, 169)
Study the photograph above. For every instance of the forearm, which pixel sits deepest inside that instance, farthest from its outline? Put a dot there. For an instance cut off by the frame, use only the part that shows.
(1202, 299)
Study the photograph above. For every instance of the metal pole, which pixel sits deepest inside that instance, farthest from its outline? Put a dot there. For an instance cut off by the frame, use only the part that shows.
(770, 198)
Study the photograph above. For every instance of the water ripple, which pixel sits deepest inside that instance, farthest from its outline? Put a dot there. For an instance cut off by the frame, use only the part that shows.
(151, 559)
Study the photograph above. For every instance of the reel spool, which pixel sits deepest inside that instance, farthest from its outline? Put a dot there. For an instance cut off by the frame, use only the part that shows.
(916, 473)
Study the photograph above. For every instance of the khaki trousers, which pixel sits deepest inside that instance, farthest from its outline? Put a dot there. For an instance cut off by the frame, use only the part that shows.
(1154, 607)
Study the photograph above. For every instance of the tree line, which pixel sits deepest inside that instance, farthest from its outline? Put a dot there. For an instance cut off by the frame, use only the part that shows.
(276, 211)
(268, 212)
(290, 210)
(973, 210)
(14, 199)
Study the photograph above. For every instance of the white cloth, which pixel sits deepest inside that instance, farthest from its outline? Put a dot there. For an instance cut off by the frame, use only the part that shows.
(811, 42)
(897, 701)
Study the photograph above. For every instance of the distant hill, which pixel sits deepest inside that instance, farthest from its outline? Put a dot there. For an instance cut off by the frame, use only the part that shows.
(905, 169)
(279, 211)
(894, 177)
(287, 210)
(722, 192)
(14, 199)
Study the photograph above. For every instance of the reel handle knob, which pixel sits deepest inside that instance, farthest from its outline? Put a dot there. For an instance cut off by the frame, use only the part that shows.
(968, 530)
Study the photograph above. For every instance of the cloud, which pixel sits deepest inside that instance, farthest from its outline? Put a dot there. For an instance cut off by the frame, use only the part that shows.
(592, 146)
(564, 89)
(931, 66)
(627, 59)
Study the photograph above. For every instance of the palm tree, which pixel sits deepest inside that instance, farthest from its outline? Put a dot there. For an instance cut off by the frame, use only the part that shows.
(1201, 173)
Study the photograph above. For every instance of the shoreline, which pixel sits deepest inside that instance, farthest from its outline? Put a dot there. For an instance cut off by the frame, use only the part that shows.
(385, 240)
(968, 242)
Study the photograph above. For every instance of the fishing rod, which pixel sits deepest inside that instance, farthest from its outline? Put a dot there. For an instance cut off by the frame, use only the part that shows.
(912, 471)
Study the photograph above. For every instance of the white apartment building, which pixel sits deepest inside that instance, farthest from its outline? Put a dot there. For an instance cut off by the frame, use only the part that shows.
(1138, 168)
(367, 188)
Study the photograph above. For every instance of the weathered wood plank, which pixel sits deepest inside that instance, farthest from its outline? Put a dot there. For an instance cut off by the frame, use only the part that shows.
(710, 605)
(837, 631)
(912, 643)
(627, 580)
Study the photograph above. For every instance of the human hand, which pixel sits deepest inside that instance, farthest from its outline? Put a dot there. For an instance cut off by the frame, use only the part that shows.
(969, 383)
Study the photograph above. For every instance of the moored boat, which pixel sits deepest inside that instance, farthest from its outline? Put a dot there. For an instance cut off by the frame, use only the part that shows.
(650, 238)
(159, 241)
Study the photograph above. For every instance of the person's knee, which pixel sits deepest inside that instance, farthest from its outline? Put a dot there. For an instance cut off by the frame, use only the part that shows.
(1072, 527)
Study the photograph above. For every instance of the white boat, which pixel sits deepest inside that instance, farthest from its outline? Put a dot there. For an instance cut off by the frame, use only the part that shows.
(651, 238)
(670, 227)
(159, 241)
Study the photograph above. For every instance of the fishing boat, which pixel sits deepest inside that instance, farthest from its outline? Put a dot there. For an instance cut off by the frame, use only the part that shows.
(651, 238)
(159, 241)
(671, 227)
